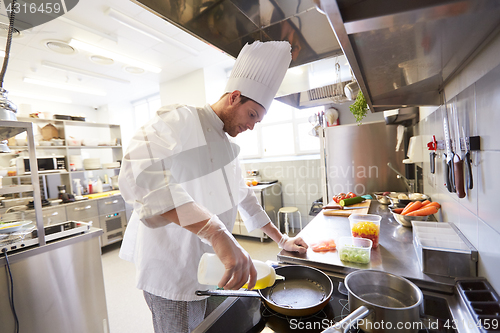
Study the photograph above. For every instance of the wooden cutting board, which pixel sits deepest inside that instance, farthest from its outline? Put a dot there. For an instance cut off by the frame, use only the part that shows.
(346, 213)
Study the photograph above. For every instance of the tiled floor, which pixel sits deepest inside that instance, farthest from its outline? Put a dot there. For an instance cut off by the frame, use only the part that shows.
(127, 310)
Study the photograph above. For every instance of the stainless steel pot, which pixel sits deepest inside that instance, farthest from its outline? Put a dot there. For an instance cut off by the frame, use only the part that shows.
(381, 302)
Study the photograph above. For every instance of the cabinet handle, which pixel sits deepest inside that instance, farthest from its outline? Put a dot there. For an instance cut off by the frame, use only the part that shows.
(111, 202)
(83, 208)
(53, 214)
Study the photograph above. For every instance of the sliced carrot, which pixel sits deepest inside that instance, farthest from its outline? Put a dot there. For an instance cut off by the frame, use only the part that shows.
(398, 210)
(425, 203)
(435, 204)
(427, 210)
(407, 207)
(416, 205)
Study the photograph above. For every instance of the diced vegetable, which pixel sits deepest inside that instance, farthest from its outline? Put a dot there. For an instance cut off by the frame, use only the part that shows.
(366, 229)
(354, 254)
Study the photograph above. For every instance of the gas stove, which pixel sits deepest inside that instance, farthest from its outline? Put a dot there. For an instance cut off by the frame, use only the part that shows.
(248, 314)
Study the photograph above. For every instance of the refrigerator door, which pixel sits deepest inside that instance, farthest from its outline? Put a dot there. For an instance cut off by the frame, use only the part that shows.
(356, 159)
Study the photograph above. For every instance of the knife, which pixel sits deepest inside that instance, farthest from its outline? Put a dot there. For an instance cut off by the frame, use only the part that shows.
(341, 208)
(448, 168)
(468, 161)
(458, 161)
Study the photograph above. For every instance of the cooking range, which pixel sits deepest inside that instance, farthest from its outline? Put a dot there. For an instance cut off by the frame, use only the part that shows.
(248, 314)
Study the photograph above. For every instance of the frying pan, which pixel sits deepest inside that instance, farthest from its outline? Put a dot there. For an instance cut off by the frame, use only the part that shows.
(304, 291)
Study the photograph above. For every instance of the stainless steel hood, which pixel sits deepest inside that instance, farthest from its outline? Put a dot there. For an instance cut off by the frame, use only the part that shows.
(230, 24)
(403, 53)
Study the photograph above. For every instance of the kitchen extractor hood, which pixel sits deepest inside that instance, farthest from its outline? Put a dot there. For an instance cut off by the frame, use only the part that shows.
(403, 53)
(318, 83)
(230, 24)
(402, 116)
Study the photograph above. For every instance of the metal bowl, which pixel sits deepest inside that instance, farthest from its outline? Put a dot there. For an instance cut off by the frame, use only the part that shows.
(383, 199)
(395, 201)
(405, 221)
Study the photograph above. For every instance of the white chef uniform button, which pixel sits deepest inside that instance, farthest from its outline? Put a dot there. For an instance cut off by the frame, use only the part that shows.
(209, 129)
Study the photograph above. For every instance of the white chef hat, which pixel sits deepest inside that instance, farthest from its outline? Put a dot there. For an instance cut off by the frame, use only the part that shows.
(259, 70)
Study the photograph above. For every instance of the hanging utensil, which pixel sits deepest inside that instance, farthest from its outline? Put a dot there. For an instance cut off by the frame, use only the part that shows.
(458, 158)
(351, 89)
(313, 119)
(468, 162)
(432, 146)
(448, 162)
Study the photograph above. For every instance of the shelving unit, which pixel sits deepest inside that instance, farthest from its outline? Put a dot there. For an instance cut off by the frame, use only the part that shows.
(9, 129)
(69, 129)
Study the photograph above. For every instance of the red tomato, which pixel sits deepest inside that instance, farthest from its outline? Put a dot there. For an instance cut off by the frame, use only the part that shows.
(351, 195)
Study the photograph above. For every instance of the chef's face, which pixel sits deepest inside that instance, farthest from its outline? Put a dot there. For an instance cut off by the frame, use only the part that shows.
(241, 115)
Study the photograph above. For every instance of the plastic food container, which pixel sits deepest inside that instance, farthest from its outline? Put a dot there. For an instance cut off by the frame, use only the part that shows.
(366, 226)
(354, 249)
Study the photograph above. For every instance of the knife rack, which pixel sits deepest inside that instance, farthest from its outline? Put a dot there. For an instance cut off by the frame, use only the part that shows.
(474, 142)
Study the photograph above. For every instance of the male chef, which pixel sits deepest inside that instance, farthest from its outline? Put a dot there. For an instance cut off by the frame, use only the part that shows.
(182, 176)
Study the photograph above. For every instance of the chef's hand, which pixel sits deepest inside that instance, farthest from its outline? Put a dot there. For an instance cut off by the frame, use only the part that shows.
(295, 244)
(238, 264)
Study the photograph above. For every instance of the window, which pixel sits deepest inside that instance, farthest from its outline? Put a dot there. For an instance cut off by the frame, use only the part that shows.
(284, 131)
(144, 109)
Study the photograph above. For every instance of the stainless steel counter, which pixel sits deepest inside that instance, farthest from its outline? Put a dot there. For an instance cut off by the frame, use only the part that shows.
(395, 253)
(58, 287)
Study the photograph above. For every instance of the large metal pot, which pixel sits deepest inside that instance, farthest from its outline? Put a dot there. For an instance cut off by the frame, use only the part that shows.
(381, 302)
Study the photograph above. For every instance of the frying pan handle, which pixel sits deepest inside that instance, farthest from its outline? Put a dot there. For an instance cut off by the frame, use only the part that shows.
(350, 320)
(228, 293)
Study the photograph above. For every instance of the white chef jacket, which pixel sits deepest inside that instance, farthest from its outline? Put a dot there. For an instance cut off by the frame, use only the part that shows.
(179, 156)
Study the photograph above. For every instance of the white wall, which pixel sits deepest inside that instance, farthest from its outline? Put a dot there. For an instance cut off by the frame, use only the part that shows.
(26, 106)
(120, 113)
(189, 90)
(477, 90)
(215, 80)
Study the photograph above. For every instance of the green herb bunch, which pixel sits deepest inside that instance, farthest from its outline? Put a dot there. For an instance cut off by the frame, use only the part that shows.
(359, 108)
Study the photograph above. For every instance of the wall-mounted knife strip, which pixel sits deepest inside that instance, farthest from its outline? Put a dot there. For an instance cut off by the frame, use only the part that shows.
(474, 141)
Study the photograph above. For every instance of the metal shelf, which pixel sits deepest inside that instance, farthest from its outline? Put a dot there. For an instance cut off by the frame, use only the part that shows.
(100, 169)
(10, 129)
(66, 122)
(16, 189)
(92, 147)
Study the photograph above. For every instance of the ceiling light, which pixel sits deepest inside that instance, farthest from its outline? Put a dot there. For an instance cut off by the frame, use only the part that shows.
(4, 29)
(118, 57)
(56, 99)
(88, 29)
(59, 47)
(134, 70)
(65, 86)
(53, 65)
(148, 31)
(101, 60)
